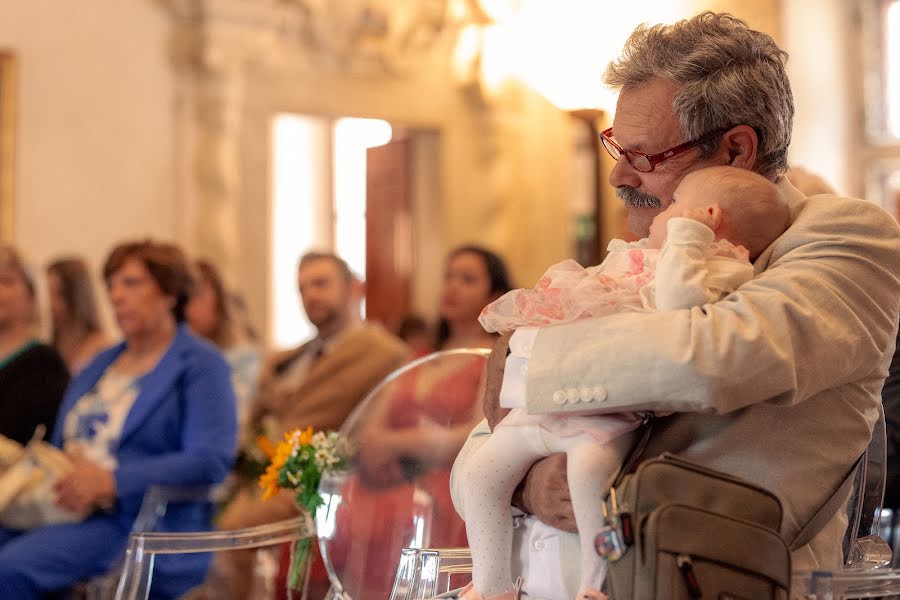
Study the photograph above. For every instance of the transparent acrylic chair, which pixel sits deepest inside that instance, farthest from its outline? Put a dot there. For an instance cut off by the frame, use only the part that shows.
(866, 554)
(431, 572)
(144, 548)
(154, 506)
(408, 431)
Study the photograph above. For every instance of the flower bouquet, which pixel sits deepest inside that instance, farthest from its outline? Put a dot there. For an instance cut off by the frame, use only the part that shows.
(297, 464)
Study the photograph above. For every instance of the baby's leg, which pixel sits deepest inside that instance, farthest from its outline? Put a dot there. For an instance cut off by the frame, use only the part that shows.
(491, 476)
(590, 467)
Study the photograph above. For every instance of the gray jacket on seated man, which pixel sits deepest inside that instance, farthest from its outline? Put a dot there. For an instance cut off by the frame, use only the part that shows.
(778, 383)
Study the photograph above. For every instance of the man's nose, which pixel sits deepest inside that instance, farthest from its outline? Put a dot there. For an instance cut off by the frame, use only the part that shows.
(624, 174)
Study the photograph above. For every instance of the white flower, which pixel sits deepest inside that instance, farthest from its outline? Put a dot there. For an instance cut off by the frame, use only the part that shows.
(319, 440)
(323, 458)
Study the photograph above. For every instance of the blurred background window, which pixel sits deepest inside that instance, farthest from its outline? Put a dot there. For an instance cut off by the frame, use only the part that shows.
(880, 35)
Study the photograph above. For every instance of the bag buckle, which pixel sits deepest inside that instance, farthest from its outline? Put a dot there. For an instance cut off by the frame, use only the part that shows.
(609, 541)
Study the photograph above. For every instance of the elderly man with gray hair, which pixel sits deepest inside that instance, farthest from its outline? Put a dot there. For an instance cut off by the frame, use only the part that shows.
(779, 382)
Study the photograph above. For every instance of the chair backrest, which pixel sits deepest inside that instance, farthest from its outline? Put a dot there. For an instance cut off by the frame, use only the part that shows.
(154, 507)
(407, 432)
(867, 495)
(144, 548)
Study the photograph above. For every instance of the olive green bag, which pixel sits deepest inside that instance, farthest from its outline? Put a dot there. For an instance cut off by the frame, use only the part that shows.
(678, 530)
(692, 532)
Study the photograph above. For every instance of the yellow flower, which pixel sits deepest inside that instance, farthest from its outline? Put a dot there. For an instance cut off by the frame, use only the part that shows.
(266, 446)
(269, 480)
(306, 436)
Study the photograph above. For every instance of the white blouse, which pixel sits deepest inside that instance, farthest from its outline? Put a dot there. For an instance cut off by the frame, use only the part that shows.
(95, 422)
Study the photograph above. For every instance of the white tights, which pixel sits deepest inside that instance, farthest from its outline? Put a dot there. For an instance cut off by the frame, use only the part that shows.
(492, 475)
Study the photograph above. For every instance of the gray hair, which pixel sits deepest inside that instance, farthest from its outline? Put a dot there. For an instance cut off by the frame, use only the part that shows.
(727, 74)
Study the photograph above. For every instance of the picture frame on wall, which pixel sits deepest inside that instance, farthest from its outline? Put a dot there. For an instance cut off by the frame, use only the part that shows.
(7, 143)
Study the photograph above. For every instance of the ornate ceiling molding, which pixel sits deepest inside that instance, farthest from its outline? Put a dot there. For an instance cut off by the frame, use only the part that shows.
(359, 37)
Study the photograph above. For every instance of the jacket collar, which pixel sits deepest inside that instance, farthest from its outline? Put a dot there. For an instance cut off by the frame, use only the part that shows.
(796, 202)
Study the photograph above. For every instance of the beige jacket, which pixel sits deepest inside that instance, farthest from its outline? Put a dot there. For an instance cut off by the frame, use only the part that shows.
(335, 384)
(778, 383)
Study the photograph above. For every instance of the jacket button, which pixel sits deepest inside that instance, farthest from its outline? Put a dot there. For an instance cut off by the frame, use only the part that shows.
(572, 395)
(559, 397)
(585, 394)
(599, 393)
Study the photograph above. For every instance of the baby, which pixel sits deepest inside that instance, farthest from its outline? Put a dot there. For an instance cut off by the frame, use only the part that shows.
(699, 250)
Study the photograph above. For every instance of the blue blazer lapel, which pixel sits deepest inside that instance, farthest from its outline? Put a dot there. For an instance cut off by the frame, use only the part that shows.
(158, 383)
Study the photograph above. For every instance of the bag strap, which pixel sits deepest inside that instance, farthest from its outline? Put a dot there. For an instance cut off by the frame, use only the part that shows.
(828, 510)
(634, 455)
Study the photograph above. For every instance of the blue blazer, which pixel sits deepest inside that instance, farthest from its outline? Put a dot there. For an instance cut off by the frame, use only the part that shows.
(182, 427)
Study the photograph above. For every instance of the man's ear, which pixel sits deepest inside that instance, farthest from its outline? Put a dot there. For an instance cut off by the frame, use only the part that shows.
(741, 144)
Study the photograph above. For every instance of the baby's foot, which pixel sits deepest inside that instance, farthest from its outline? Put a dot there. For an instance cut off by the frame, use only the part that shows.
(592, 594)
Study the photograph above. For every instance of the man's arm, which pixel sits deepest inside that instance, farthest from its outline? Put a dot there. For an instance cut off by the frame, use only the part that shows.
(821, 315)
(833, 290)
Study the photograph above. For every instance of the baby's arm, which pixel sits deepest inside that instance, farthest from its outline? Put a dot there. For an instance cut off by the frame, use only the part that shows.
(683, 267)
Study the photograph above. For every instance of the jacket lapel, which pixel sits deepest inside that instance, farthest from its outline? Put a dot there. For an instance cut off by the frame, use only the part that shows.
(156, 385)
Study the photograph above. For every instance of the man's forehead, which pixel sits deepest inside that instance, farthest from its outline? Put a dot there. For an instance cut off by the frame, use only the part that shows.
(645, 117)
(318, 269)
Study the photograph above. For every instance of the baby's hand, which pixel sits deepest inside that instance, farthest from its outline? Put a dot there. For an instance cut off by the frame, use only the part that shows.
(711, 215)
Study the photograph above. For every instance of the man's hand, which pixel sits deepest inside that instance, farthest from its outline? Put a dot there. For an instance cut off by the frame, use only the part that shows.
(544, 493)
(495, 365)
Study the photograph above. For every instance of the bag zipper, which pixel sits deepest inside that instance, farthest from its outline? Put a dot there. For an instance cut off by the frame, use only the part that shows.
(686, 567)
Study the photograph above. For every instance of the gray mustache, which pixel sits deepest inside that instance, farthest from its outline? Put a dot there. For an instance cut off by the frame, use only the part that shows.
(636, 199)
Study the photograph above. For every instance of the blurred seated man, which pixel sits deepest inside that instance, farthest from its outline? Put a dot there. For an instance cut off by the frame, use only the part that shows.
(316, 384)
(778, 383)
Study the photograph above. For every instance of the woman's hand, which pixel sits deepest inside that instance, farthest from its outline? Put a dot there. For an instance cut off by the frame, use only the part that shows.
(86, 486)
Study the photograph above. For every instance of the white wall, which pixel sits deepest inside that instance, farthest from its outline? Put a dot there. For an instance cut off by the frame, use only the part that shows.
(816, 36)
(94, 156)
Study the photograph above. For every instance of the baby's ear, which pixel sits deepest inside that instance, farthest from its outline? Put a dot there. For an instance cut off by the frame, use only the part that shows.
(715, 213)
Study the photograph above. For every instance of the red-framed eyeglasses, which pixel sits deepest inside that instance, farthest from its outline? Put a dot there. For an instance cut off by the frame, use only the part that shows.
(644, 162)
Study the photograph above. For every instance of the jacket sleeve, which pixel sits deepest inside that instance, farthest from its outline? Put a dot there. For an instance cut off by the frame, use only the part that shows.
(208, 435)
(822, 314)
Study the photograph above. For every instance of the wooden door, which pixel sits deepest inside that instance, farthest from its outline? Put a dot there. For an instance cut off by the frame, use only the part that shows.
(389, 232)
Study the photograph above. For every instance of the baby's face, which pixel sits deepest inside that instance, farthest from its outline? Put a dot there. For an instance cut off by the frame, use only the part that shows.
(687, 196)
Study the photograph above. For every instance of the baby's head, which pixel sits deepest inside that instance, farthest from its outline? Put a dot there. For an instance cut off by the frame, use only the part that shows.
(744, 207)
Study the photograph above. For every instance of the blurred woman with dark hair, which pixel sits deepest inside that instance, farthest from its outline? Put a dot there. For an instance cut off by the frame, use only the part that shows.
(156, 409)
(33, 376)
(215, 314)
(76, 331)
(473, 278)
